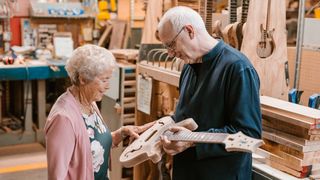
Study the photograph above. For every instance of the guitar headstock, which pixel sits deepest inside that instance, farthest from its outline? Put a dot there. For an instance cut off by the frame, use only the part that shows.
(241, 142)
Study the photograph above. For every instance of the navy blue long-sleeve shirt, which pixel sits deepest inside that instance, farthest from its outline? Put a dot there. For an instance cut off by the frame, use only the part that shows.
(222, 95)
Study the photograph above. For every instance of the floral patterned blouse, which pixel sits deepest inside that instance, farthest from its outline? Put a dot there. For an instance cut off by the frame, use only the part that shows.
(101, 141)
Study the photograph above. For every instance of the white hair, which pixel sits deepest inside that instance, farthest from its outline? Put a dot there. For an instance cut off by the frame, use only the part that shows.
(89, 61)
(180, 16)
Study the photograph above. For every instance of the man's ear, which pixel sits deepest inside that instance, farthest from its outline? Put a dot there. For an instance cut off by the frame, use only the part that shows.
(190, 31)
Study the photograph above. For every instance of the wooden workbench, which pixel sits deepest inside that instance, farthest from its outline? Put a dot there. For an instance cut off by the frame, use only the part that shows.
(30, 71)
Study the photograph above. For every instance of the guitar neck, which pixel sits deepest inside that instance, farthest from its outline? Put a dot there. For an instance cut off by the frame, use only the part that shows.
(233, 11)
(209, 16)
(232, 142)
(244, 13)
(268, 15)
(205, 11)
(198, 137)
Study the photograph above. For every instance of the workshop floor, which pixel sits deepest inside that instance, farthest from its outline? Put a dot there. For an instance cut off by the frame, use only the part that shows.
(23, 162)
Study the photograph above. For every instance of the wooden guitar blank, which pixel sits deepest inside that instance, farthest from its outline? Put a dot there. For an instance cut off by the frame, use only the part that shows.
(271, 69)
(148, 146)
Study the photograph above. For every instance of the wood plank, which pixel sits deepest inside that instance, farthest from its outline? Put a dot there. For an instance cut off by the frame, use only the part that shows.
(288, 118)
(129, 83)
(296, 109)
(271, 69)
(126, 54)
(294, 138)
(275, 173)
(160, 74)
(118, 34)
(285, 127)
(153, 15)
(286, 152)
(106, 33)
(290, 128)
(288, 170)
(274, 162)
(295, 144)
(293, 163)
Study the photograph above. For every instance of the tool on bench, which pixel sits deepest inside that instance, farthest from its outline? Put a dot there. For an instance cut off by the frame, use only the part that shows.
(294, 96)
(314, 101)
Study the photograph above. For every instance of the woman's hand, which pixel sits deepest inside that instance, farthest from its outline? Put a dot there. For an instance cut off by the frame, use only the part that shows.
(134, 131)
(131, 131)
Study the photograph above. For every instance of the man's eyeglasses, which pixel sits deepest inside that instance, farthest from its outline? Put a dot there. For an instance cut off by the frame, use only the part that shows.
(170, 45)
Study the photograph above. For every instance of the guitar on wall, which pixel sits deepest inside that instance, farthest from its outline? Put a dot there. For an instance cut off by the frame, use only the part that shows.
(237, 27)
(206, 13)
(216, 29)
(266, 45)
(228, 36)
(206, 10)
(148, 145)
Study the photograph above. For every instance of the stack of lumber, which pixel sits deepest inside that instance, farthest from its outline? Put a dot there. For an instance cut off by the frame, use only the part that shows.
(291, 133)
(129, 55)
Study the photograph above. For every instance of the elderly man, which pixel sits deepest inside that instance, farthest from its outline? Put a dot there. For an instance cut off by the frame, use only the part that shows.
(219, 89)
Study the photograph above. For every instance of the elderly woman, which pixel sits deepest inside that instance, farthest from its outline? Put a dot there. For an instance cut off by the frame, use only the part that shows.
(78, 141)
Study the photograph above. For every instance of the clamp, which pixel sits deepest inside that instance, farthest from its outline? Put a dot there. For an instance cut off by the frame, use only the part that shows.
(314, 101)
(294, 96)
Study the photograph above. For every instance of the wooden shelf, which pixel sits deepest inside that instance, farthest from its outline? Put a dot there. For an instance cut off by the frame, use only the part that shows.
(63, 17)
(160, 73)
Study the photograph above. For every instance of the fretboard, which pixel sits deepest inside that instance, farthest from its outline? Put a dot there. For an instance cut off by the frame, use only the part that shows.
(199, 137)
(244, 13)
(233, 11)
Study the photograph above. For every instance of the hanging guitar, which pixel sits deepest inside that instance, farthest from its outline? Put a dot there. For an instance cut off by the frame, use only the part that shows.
(228, 36)
(266, 45)
(148, 145)
(205, 12)
(237, 27)
(216, 29)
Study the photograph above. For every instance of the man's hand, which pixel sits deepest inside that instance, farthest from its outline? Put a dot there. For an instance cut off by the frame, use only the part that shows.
(175, 147)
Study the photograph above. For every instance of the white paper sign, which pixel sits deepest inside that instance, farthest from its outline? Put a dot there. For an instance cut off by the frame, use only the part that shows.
(63, 46)
(144, 94)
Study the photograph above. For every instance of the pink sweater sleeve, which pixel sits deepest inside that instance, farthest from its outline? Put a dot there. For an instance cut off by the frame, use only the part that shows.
(60, 141)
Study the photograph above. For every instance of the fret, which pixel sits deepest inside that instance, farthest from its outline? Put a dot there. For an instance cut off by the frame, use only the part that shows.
(199, 136)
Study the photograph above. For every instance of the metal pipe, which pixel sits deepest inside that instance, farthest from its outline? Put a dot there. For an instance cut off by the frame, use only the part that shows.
(299, 40)
(154, 57)
(173, 61)
(160, 57)
(149, 54)
(166, 60)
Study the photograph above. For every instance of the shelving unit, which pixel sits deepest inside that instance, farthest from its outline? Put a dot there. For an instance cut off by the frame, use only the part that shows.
(165, 73)
(118, 108)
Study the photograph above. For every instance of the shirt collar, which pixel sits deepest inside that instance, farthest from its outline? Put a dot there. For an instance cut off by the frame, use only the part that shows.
(213, 52)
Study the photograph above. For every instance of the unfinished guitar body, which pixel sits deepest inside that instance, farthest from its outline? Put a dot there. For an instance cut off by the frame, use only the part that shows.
(217, 32)
(148, 145)
(269, 61)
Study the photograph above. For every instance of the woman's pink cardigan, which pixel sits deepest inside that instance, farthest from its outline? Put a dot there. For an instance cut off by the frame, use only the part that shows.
(68, 146)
